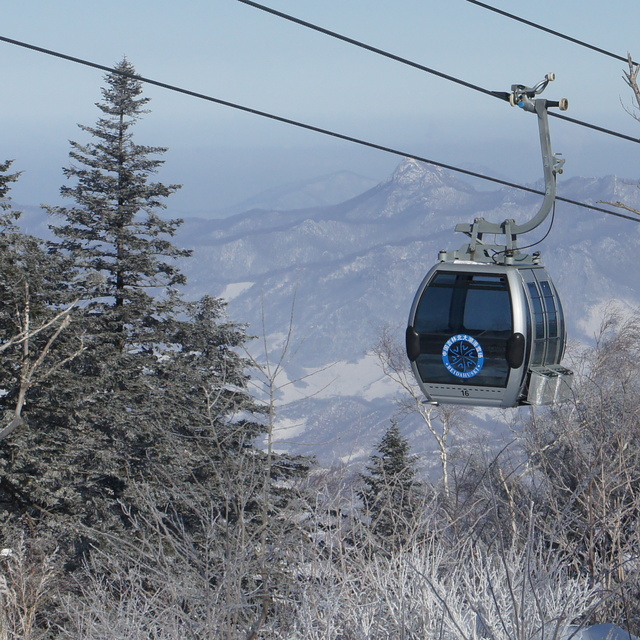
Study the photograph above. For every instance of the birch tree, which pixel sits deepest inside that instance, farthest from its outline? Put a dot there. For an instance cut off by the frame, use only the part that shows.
(34, 312)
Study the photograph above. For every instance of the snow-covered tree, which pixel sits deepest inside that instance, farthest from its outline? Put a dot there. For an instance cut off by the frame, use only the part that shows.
(584, 458)
(390, 494)
(157, 387)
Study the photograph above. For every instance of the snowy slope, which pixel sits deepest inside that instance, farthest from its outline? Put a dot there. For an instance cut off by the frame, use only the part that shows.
(599, 632)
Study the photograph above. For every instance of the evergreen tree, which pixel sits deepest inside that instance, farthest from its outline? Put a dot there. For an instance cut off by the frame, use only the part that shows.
(198, 404)
(5, 184)
(120, 246)
(34, 333)
(390, 495)
(32, 314)
(127, 277)
(157, 382)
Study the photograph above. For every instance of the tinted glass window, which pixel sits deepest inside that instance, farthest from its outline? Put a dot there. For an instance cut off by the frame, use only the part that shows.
(464, 302)
(546, 289)
(553, 343)
(553, 325)
(435, 305)
(495, 372)
(487, 310)
(548, 323)
(477, 305)
(539, 328)
(550, 308)
(535, 298)
(553, 350)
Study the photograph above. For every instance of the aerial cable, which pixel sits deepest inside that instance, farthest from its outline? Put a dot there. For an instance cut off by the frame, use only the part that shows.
(552, 32)
(303, 125)
(496, 94)
(362, 45)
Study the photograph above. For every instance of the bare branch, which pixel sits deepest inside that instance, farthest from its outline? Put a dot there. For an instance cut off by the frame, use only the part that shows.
(26, 334)
(620, 205)
(30, 367)
(631, 78)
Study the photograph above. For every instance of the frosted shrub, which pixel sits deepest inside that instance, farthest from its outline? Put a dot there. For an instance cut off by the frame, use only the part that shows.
(427, 593)
(27, 581)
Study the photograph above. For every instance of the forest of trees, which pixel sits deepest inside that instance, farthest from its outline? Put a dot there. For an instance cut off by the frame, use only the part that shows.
(139, 501)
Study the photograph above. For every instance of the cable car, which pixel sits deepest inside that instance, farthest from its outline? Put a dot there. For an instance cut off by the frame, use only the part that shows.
(488, 335)
(486, 327)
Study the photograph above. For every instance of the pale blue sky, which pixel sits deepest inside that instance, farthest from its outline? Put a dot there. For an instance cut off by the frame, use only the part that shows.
(234, 52)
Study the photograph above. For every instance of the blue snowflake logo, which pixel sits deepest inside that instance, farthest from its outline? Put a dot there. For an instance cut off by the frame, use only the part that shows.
(462, 355)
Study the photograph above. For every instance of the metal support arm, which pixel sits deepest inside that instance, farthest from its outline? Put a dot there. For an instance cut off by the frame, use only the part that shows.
(523, 97)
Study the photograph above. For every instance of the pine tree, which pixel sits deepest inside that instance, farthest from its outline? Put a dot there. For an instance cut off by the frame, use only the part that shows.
(32, 314)
(390, 496)
(35, 335)
(120, 245)
(127, 277)
(198, 404)
(5, 181)
(157, 387)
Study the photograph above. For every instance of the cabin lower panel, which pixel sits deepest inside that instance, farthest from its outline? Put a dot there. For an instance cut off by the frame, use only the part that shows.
(471, 396)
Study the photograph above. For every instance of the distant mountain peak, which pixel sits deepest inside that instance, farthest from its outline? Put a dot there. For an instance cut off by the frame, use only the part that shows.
(411, 172)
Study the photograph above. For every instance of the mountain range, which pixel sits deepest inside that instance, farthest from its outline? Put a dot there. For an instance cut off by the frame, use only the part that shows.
(329, 279)
(321, 191)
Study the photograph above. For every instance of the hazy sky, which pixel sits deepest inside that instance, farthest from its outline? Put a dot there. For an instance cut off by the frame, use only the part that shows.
(234, 52)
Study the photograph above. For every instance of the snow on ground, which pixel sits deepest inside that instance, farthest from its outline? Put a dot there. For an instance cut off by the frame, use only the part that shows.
(599, 632)
(355, 454)
(235, 289)
(284, 429)
(363, 377)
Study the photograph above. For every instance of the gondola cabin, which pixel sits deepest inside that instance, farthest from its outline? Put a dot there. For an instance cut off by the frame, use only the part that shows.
(486, 326)
(488, 335)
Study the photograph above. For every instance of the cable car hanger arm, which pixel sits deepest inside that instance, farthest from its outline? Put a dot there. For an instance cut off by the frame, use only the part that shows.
(524, 97)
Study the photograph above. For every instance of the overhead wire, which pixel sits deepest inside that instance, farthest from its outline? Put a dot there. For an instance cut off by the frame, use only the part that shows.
(558, 34)
(376, 50)
(357, 43)
(302, 125)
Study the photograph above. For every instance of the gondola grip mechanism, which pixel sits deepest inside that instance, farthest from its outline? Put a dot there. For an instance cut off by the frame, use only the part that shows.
(524, 97)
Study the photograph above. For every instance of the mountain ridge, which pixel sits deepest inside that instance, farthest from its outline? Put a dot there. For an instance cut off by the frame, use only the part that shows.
(345, 272)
